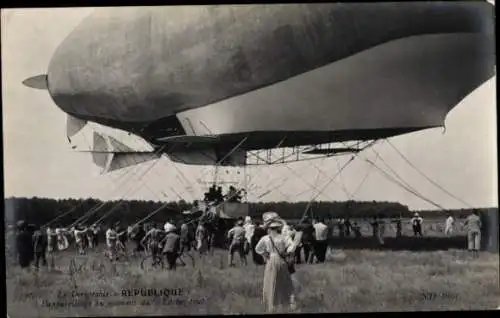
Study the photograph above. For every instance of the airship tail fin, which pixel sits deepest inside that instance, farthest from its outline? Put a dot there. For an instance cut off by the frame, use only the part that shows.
(109, 154)
(38, 82)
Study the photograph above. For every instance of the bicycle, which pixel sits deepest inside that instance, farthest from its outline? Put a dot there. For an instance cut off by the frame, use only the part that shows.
(121, 254)
(189, 255)
(154, 260)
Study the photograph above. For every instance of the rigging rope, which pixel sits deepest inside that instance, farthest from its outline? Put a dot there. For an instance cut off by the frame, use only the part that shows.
(403, 186)
(426, 177)
(119, 178)
(328, 183)
(391, 178)
(165, 204)
(362, 181)
(93, 211)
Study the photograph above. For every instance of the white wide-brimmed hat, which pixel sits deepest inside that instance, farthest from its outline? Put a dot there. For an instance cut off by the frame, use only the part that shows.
(169, 228)
(272, 220)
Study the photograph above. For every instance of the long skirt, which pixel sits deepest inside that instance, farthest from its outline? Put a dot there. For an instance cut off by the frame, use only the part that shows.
(277, 287)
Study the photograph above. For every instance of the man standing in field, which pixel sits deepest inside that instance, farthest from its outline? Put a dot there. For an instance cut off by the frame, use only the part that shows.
(237, 237)
(307, 241)
(40, 247)
(450, 222)
(111, 238)
(172, 246)
(381, 229)
(80, 233)
(51, 245)
(416, 223)
(259, 233)
(321, 240)
(473, 226)
(185, 237)
(24, 245)
(249, 230)
(152, 240)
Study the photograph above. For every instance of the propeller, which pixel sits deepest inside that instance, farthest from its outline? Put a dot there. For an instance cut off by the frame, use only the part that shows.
(38, 82)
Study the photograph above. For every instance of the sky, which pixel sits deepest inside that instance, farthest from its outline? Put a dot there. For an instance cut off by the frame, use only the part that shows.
(38, 161)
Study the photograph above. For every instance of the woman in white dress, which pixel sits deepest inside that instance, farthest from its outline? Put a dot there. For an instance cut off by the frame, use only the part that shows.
(275, 248)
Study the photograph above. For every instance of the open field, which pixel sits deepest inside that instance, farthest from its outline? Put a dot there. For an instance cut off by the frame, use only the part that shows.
(350, 281)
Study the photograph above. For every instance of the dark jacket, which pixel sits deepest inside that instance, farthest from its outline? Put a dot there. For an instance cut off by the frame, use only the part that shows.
(172, 243)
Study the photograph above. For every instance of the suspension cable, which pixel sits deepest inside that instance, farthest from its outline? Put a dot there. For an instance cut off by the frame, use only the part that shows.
(426, 177)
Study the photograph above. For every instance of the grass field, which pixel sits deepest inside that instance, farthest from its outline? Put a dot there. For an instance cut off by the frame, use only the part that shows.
(356, 278)
(350, 281)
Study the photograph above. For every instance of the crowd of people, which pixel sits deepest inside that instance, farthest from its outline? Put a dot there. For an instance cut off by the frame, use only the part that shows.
(273, 242)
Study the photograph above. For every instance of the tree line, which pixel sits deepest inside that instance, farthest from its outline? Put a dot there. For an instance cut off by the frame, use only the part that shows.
(43, 210)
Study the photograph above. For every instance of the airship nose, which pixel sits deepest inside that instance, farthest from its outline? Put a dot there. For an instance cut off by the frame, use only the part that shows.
(103, 69)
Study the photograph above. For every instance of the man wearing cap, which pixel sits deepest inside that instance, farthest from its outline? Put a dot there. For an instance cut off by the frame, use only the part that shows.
(172, 246)
(237, 237)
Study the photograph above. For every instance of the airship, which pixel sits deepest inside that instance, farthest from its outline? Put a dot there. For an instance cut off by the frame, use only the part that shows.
(206, 85)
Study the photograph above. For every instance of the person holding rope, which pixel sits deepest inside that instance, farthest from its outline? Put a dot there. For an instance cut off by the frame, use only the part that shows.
(151, 241)
(201, 238)
(62, 238)
(51, 244)
(80, 233)
(185, 237)
(111, 239)
(136, 234)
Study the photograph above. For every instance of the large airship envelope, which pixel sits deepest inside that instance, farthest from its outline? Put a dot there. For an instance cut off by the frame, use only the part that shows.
(312, 72)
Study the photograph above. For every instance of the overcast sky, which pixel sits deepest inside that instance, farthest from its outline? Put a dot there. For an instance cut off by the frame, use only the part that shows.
(38, 161)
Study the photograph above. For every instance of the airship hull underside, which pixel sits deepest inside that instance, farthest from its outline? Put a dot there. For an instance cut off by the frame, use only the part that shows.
(409, 84)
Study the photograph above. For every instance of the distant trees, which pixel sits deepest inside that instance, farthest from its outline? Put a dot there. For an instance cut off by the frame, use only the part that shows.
(42, 210)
